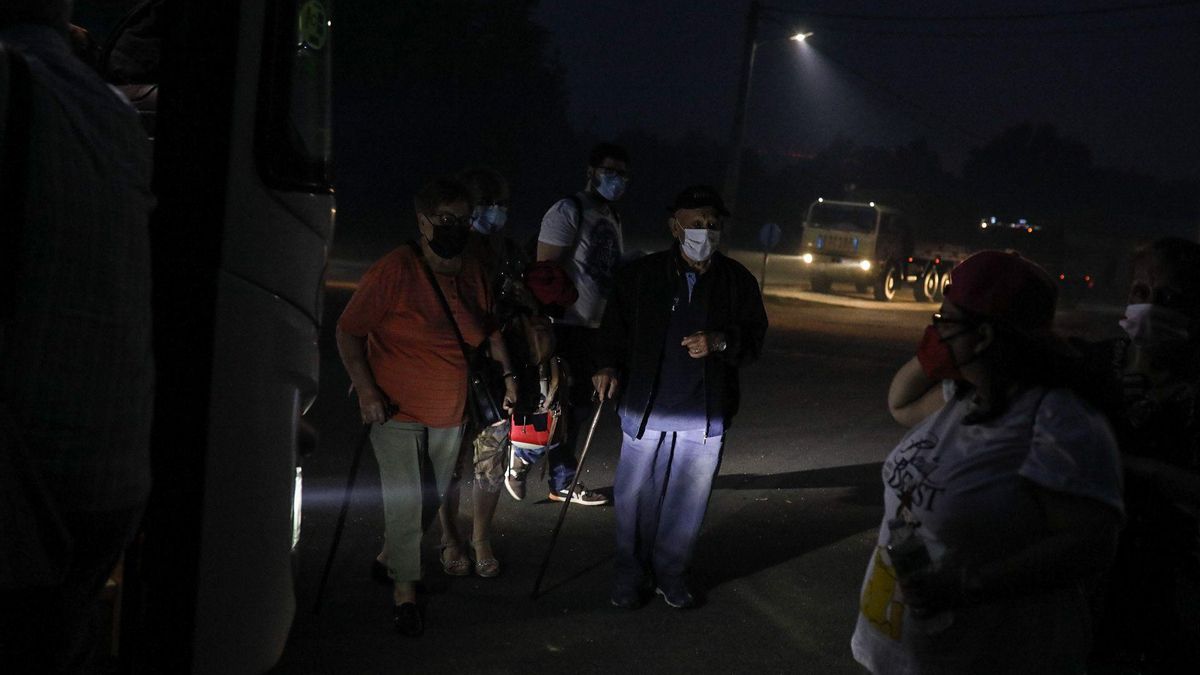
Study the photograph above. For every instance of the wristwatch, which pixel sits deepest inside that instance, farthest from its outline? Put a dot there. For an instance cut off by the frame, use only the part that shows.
(722, 345)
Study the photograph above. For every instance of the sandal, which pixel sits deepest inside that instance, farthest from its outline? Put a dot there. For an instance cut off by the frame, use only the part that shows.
(486, 567)
(458, 567)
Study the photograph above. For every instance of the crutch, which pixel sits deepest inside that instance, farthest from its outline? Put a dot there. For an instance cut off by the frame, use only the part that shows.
(364, 437)
(562, 513)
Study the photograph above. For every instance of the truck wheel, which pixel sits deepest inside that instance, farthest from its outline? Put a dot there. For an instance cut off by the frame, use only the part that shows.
(886, 284)
(820, 283)
(927, 285)
(943, 282)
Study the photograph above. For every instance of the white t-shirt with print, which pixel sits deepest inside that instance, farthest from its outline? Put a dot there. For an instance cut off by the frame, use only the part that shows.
(963, 484)
(594, 250)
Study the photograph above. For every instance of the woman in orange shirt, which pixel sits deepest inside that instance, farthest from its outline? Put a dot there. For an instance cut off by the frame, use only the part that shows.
(406, 364)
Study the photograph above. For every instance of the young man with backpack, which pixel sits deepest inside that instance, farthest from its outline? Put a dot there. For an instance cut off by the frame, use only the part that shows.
(581, 232)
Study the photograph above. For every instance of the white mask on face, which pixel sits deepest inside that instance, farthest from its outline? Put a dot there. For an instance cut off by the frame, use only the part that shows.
(1151, 325)
(699, 244)
(489, 219)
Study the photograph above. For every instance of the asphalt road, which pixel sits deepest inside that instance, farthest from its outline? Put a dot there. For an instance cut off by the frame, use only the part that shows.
(789, 530)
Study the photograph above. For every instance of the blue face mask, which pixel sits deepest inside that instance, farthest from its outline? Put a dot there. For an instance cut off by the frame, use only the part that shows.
(489, 219)
(610, 186)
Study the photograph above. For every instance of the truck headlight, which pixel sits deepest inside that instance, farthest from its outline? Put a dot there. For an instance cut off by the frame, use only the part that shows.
(865, 265)
(807, 258)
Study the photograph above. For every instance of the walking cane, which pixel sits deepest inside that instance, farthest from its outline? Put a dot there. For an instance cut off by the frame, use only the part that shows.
(341, 521)
(562, 514)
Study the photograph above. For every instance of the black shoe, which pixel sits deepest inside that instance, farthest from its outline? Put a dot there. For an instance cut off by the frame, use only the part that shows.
(379, 572)
(625, 596)
(407, 620)
(677, 595)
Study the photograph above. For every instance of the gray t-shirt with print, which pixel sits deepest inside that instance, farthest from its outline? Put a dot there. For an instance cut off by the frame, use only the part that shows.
(594, 248)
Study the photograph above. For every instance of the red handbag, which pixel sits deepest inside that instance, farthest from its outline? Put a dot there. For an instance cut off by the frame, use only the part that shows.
(532, 431)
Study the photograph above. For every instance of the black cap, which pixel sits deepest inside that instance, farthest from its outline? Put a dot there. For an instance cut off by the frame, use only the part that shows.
(698, 197)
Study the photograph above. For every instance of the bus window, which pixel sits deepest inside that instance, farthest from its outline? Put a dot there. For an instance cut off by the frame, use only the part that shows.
(294, 141)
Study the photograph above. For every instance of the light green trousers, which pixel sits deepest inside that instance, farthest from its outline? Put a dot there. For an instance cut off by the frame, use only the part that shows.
(403, 450)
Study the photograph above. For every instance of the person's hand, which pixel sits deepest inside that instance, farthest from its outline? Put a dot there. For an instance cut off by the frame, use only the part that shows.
(703, 343)
(605, 382)
(373, 406)
(510, 394)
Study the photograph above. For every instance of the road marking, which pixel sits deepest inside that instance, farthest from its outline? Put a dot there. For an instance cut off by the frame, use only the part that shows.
(843, 301)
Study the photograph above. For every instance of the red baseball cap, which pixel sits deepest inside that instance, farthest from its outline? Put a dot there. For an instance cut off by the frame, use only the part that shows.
(1003, 286)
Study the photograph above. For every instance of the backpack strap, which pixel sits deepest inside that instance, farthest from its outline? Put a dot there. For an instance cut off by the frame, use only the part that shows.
(575, 201)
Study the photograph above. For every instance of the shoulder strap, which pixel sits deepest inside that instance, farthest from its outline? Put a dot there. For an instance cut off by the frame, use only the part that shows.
(575, 201)
(578, 204)
(437, 290)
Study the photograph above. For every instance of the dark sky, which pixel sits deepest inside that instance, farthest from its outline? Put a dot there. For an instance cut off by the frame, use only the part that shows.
(1126, 84)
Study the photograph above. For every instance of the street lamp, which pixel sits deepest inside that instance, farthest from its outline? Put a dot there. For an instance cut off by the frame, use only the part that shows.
(738, 137)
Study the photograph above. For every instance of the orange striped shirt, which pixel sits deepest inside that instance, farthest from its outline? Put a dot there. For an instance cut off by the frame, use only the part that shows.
(411, 346)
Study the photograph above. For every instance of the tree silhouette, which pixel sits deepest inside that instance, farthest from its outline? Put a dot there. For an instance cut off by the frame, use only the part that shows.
(1029, 171)
(432, 86)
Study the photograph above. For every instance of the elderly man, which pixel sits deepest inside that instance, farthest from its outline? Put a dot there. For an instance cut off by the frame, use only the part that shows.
(678, 326)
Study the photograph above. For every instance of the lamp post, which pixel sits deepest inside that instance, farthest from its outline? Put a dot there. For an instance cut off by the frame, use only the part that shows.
(738, 136)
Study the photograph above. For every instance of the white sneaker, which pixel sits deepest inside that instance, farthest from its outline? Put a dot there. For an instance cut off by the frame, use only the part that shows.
(582, 496)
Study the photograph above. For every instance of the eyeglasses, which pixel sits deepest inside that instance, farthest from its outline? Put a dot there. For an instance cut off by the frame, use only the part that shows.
(968, 326)
(609, 171)
(939, 320)
(1142, 292)
(448, 219)
(699, 224)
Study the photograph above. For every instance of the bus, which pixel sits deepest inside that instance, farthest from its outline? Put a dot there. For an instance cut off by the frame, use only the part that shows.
(237, 94)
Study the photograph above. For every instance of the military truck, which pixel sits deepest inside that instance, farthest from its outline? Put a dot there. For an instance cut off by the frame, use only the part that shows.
(873, 247)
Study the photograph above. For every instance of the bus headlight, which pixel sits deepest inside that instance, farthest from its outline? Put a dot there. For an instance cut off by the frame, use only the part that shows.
(807, 258)
(865, 265)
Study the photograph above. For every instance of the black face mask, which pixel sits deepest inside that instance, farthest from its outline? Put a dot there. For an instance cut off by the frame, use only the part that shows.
(448, 241)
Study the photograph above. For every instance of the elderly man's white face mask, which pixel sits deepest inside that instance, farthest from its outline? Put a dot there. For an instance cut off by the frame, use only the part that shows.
(699, 244)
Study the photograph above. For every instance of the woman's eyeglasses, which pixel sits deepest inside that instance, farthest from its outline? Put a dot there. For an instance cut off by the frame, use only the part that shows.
(449, 219)
(941, 320)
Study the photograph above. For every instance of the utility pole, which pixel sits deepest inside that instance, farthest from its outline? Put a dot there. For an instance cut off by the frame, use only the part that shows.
(738, 135)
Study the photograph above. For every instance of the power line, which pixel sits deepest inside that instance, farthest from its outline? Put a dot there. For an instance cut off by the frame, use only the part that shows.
(964, 18)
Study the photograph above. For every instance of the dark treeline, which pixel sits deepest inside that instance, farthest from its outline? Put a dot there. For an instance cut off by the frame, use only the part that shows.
(432, 86)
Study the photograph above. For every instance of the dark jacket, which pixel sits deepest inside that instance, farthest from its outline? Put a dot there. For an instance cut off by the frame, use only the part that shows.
(634, 329)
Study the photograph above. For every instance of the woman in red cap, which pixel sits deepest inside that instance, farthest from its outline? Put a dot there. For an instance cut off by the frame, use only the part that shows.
(1001, 501)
